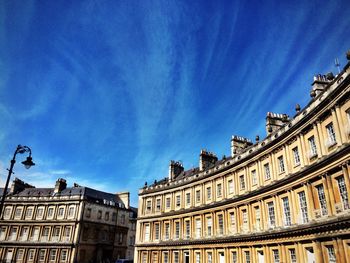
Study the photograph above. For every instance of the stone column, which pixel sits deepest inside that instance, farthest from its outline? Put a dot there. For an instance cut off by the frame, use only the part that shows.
(318, 251)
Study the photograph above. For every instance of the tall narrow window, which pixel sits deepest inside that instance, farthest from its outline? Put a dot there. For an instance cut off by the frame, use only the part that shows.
(292, 255)
(247, 256)
(209, 257)
(276, 256)
(187, 229)
(198, 228)
(147, 232)
(218, 190)
(331, 254)
(271, 212)
(296, 156)
(24, 233)
(198, 196)
(198, 257)
(267, 171)
(40, 212)
(188, 199)
(165, 257)
(45, 235)
(144, 258)
(2, 233)
(158, 205)
(209, 226)
(7, 213)
(322, 199)
(208, 193)
(257, 218)
(18, 212)
(168, 202)
(331, 135)
(244, 220)
(178, 201)
(63, 255)
(303, 207)
(281, 164)
(220, 225)
(254, 177)
(230, 186)
(232, 222)
(71, 211)
(176, 256)
(286, 211)
(177, 230)
(31, 254)
(234, 256)
(53, 255)
(60, 212)
(29, 213)
(242, 182)
(42, 253)
(343, 192)
(312, 146)
(19, 255)
(167, 231)
(156, 231)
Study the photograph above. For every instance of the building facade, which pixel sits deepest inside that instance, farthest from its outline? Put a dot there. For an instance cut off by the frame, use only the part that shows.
(281, 199)
(64, 224)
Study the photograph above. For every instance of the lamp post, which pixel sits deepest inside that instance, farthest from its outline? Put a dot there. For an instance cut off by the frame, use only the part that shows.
(27, 164)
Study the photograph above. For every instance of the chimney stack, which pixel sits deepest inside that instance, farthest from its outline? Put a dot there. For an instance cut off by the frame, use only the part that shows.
(175, 169)
(18, 186)
(320, 83)
(238, 144)
(124, 198)
(206, 160)
(60, 185)
(274, 121)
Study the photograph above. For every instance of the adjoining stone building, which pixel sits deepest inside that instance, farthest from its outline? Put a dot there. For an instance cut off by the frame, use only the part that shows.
(281, 199)
(65, 224)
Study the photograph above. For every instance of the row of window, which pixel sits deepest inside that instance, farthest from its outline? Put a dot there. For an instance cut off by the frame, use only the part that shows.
(106, 216)
(293, 208)
(39, 212)
(36, 233)
(22, 255)
(245, 256)
(260, 174)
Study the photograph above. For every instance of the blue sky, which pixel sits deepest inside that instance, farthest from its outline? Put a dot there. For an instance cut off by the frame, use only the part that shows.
(106, 93)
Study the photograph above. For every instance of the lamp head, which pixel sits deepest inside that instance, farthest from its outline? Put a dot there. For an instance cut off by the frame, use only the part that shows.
(28, 163)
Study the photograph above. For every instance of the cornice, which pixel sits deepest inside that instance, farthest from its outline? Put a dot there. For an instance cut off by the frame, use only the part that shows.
(333, 227)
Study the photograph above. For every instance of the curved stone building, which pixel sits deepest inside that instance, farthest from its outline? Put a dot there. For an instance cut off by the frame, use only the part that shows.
(281, 199)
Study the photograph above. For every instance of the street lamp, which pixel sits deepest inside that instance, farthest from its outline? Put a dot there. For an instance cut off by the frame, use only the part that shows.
(27, 164)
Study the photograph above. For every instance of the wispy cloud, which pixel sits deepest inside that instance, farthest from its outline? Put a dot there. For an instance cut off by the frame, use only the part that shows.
(106, 94)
